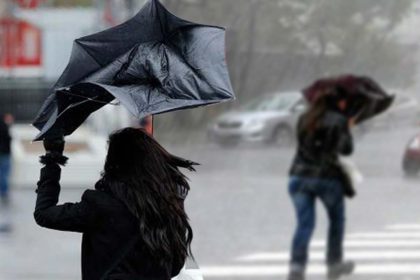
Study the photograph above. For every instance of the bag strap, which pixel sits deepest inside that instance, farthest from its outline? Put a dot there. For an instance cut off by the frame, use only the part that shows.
(117, 261)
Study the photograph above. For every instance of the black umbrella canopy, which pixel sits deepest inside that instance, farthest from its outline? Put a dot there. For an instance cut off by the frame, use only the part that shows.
(153, 63)
(365, 97)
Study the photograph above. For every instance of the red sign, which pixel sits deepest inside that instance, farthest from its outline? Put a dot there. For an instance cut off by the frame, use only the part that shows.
(20, 44)
(28, 4)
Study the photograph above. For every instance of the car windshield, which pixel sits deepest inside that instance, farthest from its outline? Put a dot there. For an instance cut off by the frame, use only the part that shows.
(277, 102)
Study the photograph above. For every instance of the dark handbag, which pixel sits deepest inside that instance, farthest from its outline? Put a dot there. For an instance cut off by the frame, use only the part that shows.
(346, 183)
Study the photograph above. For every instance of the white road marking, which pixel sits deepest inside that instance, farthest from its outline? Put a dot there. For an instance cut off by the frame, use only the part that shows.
(395, 251)
(373, 243)
(271, 270)
(385, 235)
(404, 227)
(320, 255)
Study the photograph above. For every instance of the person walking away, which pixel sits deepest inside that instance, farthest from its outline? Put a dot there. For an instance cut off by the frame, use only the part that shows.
(134, 224)
(323, 135)
(5, 157)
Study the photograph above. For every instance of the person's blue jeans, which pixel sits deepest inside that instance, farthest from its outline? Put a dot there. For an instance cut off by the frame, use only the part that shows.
(5, 164)
(304, 192)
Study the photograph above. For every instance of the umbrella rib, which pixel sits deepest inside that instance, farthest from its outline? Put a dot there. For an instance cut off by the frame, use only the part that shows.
(92, 99)
(128, 62)
(187, 23)
(193, 69)
(85, 48)
(72, 106)
(160, 22)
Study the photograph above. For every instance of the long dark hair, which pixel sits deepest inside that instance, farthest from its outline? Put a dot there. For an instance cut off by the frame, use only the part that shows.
(146, 178)
(312, 117)
(324, 95)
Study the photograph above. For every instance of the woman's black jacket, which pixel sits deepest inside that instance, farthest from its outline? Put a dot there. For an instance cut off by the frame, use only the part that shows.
(109, 231)
(318, 151)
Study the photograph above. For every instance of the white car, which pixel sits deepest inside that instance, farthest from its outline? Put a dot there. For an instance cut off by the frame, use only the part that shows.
(269, 119)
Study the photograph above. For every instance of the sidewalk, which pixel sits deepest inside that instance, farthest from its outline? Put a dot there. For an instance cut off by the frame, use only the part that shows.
(29, 252)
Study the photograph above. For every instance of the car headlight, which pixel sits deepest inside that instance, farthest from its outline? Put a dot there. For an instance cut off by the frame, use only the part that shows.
(415, 144)
(255, 123)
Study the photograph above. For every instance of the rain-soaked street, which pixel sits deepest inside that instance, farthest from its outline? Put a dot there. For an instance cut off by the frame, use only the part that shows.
(243, 219)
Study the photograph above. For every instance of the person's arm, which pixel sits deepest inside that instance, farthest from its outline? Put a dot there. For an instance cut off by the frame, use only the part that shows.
(78, 217)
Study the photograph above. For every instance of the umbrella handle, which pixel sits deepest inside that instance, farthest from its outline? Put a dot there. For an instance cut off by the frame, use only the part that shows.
(359, 113)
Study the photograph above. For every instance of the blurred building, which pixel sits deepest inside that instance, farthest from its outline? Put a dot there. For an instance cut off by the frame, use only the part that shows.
(37, 37)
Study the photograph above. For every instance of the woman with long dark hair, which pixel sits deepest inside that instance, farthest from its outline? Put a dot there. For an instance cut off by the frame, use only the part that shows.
(323, 135)
(134, 224)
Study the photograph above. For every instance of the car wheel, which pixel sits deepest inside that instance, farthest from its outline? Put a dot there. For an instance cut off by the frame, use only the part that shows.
(283, 137)
(411, 168)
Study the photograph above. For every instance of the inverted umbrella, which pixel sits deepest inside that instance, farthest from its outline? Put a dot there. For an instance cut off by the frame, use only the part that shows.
(365, 97)
(151, 64)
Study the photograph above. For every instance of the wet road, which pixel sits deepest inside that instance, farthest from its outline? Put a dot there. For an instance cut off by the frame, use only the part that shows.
(243, 219)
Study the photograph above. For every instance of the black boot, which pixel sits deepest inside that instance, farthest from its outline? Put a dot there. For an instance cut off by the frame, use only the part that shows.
(335, 271)
(297, 272)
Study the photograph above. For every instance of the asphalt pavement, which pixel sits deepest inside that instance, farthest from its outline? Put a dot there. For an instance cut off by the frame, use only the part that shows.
(243, 219)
